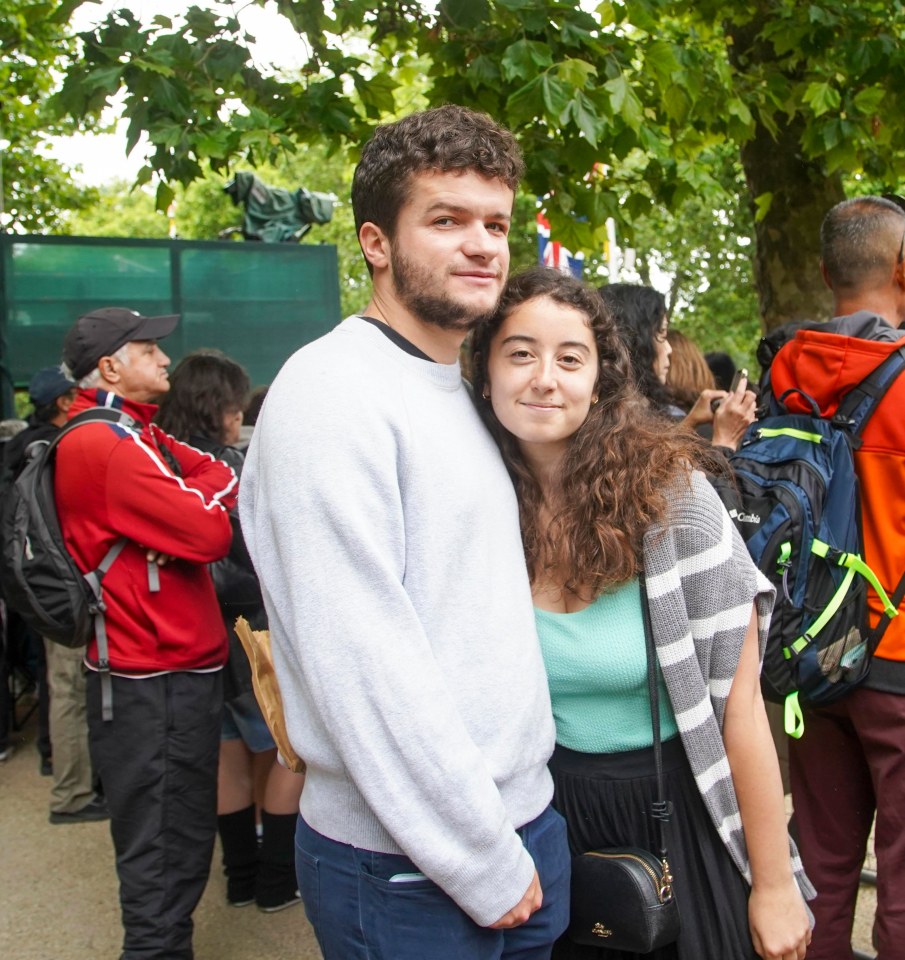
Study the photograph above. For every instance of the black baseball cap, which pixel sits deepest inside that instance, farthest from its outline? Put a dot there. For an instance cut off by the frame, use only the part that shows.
(102, 332)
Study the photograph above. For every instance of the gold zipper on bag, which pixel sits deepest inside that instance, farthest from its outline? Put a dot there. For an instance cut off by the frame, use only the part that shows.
(663, 885)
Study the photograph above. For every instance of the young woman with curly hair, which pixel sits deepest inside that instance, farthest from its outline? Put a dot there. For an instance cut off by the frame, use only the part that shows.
(608, 490)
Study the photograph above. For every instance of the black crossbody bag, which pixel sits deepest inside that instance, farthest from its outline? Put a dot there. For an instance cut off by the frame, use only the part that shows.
(622, 897)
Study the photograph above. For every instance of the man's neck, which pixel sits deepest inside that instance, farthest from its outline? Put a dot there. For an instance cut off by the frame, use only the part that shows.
(874, 301)
(439, 344)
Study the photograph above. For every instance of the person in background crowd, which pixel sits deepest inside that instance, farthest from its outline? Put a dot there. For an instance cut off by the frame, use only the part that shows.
(642, 321)
(688, 375)
(203, 408)
(155, 709)
(8, 429)
(607, 497)
(72, 797)
(250, 417)
(848, 769)
(384, 529)
(723, 368)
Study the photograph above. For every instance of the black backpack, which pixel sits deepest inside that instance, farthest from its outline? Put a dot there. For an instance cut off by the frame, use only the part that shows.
(40, 579)
(796, 503)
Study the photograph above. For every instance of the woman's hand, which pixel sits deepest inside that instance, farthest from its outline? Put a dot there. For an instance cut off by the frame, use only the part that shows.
(702, 411)
(777, 917)
(778, 921)
(733, 416)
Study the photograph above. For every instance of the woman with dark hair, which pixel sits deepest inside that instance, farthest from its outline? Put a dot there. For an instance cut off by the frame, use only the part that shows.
(609, 495)
(208, 392)
(642, 320)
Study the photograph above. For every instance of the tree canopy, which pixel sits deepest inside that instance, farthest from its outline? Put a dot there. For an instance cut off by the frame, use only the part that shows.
(624, 110)
(34, 41)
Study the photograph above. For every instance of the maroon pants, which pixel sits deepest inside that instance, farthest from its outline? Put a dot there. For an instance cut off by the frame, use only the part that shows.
(849, 764)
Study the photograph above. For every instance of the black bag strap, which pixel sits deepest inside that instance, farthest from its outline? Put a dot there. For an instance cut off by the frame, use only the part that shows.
(95, 577)
(859, 404)
(876, 635)
(661, 809)
(854, 412)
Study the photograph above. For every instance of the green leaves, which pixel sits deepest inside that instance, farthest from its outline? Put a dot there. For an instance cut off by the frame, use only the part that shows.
(465, 13)
(624, 101)
(762, 206)
(524, 58)
(822, 98)
(653, 91)
(868, 101)
(583, 113)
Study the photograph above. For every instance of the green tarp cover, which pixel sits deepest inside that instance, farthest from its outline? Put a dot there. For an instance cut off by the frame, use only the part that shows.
(276, 215)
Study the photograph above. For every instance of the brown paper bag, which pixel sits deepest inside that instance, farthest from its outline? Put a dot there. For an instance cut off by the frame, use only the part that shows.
(267, 691)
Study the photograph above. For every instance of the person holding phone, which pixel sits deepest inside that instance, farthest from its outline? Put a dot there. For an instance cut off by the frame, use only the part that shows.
(643, 323)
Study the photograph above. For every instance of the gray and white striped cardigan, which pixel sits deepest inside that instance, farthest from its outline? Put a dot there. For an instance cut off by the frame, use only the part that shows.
(701, 583)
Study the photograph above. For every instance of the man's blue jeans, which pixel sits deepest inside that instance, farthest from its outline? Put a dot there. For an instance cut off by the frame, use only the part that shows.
(358, 914)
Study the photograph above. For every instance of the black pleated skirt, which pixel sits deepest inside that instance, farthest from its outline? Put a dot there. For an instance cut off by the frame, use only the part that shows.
(606, 799)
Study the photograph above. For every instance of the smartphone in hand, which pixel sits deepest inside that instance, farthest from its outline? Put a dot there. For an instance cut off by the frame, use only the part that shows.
(736, 380)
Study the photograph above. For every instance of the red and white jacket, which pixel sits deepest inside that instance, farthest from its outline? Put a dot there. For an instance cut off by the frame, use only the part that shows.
(114, 482)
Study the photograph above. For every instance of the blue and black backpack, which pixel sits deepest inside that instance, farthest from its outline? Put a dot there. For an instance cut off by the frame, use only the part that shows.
(797, 505)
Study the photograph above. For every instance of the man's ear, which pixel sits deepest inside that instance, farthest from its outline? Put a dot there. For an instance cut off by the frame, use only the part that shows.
(375, 245)
(108, 369)
(898, 276)
(65, 401)
(825, 275)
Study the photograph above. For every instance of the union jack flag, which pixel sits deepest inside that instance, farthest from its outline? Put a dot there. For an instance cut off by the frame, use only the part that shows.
(551, 253)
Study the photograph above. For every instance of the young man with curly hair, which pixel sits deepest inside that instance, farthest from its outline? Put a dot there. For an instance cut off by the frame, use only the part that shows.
(384, 528)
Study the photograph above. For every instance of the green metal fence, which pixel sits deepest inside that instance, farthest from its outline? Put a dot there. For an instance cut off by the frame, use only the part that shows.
(258, 302)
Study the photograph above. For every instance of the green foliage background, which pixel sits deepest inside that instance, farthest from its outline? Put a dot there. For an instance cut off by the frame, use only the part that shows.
(708, 132)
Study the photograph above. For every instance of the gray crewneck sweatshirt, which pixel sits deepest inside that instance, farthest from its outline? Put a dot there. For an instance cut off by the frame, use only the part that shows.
(384, 528)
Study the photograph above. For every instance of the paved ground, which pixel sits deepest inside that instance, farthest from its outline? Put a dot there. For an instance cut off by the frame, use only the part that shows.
(58, 893)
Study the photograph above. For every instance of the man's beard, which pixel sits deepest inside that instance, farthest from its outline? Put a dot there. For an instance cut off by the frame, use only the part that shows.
(412, 285)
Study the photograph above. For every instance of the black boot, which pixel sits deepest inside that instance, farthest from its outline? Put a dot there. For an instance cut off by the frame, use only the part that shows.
(277, 886)
(240, 855)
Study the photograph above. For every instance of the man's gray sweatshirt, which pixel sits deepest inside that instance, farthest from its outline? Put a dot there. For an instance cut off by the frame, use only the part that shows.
(384, 528)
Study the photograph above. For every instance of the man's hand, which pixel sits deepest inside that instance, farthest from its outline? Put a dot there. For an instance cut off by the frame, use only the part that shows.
(529, 903)
(155, 556)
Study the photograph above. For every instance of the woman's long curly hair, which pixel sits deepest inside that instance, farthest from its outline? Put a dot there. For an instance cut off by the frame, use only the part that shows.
(638, 312)
(616, 475)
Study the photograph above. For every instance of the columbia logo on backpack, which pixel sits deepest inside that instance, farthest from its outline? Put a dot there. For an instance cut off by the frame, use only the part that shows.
(739, 517)
(797, 505)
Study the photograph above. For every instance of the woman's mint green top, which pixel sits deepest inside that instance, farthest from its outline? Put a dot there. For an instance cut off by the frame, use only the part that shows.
(597, 671)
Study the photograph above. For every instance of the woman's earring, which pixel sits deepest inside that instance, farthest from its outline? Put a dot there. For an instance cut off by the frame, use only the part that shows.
(594, 399)
(484, 394)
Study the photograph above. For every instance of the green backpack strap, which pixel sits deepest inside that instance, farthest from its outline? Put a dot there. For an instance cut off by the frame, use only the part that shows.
(854, 565)
(793, 718)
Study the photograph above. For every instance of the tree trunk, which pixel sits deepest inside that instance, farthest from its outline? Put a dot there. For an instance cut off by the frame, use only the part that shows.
(787, 252)
(787, 240)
